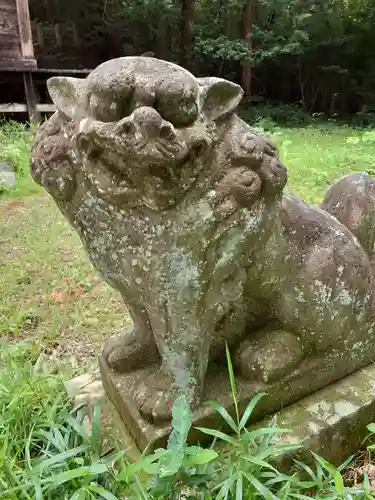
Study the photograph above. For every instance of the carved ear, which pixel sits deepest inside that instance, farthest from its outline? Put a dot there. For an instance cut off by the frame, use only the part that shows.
(65, 93)
(219, 97)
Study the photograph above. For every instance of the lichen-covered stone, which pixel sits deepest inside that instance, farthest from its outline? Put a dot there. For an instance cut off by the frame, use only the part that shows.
(180, 206)
(332, 422)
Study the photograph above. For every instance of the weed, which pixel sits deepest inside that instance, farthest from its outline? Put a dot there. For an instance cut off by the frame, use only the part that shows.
(179, 468)
(46, 451)
(247, 467)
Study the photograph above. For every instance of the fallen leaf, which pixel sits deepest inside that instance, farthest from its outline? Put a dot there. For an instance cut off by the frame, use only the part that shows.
(15, 203)
(57, 296)
(78, 290)
(68, 280)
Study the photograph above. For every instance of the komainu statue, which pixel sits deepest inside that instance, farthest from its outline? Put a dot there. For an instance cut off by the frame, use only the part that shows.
(181, 206)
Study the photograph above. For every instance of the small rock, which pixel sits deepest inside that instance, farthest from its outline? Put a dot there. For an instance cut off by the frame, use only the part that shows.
(7, 174)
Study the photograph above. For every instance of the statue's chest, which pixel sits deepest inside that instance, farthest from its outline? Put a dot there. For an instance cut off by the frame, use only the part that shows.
(128, 249)
(145, 250)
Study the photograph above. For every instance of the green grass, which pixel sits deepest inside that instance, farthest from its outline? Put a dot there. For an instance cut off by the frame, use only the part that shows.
(47, 451)
(316, 156)
(48, 288)
(15, 142)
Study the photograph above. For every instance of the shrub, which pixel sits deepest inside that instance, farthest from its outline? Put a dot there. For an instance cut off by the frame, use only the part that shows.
(15, 141)
(271, 115)
(14, 147)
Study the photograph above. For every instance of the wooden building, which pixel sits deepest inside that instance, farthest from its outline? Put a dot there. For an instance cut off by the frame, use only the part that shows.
(16, 46)
(44, 38)
(20, 74)
(16, 50)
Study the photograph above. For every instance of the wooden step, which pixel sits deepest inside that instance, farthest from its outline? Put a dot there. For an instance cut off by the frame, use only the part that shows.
(22, 108)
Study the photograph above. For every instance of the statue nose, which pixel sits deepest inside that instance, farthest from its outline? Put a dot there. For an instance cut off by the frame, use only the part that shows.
(148, 121)
(126, 126)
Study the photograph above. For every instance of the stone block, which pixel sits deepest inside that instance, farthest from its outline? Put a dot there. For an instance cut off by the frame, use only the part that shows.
(333, 418)
(331, 422)
(87, 390)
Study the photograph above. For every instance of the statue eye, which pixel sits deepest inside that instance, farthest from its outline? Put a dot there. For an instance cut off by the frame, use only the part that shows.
(108, 108)
(125, 127)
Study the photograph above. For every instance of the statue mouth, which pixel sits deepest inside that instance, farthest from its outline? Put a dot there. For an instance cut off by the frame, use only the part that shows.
(168, 148)
(171, 161)
(137, 181)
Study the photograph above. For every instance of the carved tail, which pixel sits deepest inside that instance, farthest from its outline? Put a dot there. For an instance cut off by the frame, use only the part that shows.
(352, 201)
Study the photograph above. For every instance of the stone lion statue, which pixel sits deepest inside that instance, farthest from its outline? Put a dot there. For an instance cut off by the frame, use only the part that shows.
(181, 206)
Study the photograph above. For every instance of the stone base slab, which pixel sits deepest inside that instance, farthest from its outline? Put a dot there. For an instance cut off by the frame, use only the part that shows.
(88, 390)
(331, 422)
(120, 387)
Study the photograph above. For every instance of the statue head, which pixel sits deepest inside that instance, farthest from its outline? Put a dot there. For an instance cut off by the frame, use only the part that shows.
(138, 131)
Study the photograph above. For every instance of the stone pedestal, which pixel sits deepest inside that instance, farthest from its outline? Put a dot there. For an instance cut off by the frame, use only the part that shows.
(331, 422)
(119, 388)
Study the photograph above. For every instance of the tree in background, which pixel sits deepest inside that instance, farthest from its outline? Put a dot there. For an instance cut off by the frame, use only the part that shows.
(315, 52)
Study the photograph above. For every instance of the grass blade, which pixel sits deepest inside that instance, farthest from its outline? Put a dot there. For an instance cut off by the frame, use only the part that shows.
(239, 487)
(251, 435)
(263, 490)
(95, 427)
(89, 470)
(250, 408)
(60, 458)
(307, 469)
(107, 495)
(232, 383)
(257, 461)
(217, 434)
(223, 412)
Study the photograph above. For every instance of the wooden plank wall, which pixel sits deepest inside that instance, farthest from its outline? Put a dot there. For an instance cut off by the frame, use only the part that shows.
(16, 45)
(10, 46)
(24, 28)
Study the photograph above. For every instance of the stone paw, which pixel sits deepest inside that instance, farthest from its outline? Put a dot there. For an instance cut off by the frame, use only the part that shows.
(158, 407)
(269, 356)
(130, 351)
(155, 398)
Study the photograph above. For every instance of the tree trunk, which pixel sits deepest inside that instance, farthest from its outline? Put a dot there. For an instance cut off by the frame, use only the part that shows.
(162, 45)
(187, 11)
(246, 34)
(222, 16)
